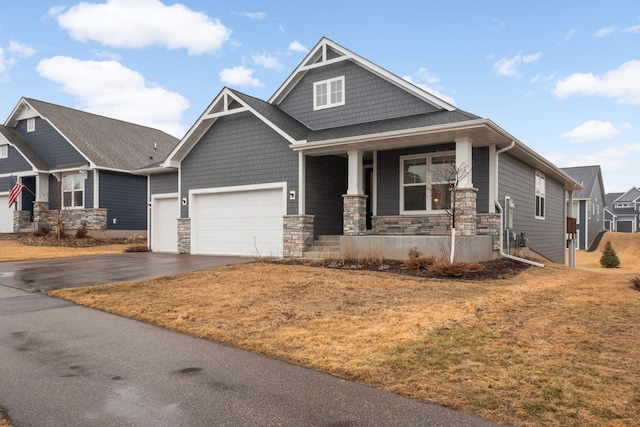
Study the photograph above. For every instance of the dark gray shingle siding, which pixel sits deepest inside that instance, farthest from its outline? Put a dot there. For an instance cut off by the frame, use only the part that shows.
(164, 183)
(480, 178)
(326, 182)
(52, 147)
(14, 162)
(517, 180)
(240, 150)
(368, 98)
(124, 197)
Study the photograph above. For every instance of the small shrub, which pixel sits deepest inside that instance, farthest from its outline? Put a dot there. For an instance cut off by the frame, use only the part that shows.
(456, 269)
(81, 232)
(137, 248)
(609, 257)
(419, 263)
(100, 236)
(43, 230)
(136, 239)
(635, 283)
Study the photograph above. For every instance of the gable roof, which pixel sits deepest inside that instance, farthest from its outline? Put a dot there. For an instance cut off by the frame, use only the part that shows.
(630, 196)
(105, 142)
(588, 176)
(327, 52)
(14, 138)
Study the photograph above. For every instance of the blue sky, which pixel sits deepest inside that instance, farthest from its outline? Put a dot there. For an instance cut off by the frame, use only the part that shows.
(561, 76)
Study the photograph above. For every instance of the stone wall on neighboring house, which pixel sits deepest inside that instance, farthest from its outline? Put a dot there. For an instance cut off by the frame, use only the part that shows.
(184, 235)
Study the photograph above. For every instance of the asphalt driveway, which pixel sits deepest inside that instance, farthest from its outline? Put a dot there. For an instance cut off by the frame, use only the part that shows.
(64, 364)
(51, 274)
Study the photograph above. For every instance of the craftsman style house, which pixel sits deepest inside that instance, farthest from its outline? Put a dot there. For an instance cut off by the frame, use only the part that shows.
(345, 151)
(623, 211)
(75, 165)
(588, 204)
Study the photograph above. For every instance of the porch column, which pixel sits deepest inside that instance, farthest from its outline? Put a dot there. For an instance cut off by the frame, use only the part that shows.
(355, 202)
(464, 161)
(42, 187)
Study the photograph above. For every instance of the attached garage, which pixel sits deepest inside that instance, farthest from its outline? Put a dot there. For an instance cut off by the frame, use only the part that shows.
(165, 211)
(624, 226)
(6, 215)
(245, 220)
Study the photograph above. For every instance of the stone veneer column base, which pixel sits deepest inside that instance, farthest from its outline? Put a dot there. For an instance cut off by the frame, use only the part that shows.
(40, 213)
(488, 224)
(466, 206)
(184, 235)
(21, 219)
(355, 214)
(297, 235)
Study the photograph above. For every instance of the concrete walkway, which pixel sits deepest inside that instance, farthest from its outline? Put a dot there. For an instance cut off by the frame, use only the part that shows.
(66, 365)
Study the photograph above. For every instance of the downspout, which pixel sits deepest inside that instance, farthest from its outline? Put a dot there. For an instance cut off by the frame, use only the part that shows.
(499, 207)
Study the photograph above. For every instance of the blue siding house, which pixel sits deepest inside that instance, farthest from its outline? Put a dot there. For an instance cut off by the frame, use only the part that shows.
(76, 166)
(588, 203)
(623, 211)
(347, 157)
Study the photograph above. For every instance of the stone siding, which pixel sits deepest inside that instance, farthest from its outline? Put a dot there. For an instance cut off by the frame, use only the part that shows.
(355, 214)
(21, 220)
(297, 235)
(426, 225)
(489, 225)
(184, 235)
(466, 212)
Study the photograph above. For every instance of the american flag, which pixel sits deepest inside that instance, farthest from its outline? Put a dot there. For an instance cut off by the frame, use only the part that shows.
(15, 192)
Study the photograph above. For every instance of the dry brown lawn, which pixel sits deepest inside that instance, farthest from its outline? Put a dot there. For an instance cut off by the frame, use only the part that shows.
(11, 250)
(552, 346)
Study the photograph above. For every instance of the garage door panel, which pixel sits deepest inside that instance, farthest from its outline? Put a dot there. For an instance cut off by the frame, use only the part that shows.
(238, 223)
(164, 227)
(6, 215)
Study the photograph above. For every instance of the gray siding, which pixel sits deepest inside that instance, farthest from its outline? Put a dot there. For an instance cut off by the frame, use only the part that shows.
(517, 180)
(326, 182)
(164, 183)
(388, 199)
(52, 147)
(55, 192)
(596, 221)
(240, 150)
(14, 162)
(368, 98)
(480, 178)
(5, 184)
(125, 198)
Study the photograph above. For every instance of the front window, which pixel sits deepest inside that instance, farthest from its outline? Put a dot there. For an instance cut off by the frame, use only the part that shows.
(540, 195)
(328, 93)
(73, 191)
(426, 182)
(4, 151)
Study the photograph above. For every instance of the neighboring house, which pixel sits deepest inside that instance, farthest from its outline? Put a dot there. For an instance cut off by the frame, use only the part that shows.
(624, 211)
(345, 148)
(76, 168)
(588, 203)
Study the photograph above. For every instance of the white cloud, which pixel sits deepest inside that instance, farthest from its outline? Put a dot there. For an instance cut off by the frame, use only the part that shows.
(611, 159)
(110, 89)
(622, 84)
(509, 66)
(297, 47)
(592, 130)
(267, 61)
(142, 23)
(425, 80)
(21, 49)
(239, 76)
(633, 29)
(253, 15)
(604, 32)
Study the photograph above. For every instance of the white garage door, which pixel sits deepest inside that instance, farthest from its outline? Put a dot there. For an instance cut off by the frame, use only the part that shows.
(164, 224)
(238, 222)
(6, 215)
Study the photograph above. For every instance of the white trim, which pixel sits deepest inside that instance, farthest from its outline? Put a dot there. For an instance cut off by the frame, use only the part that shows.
(84, 192)
(163, 195)
(302, 180)
(4, 151)
(31, 124)
(542, 195)
(631, 220)
(427, 156)
(492, 178)
(96, 189)
(327, 85)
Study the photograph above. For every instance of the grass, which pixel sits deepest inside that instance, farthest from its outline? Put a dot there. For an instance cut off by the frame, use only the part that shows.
(15, 251)
(552, 346)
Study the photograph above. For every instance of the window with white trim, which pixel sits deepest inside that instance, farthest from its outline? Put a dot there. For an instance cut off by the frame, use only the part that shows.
(4, 151)
(540, 195)
(588, 208)
(328, 93)
(31, 124)
(73, 191)
(426, 182)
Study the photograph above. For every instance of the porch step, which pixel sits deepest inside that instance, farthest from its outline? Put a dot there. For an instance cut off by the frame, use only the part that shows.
(323, 248)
